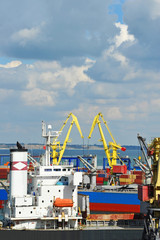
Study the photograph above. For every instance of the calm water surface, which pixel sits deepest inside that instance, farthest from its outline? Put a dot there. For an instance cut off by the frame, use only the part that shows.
(131, 153)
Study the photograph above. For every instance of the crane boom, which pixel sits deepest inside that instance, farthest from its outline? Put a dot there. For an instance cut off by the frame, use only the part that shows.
(55, 145)
(106, 149)
(112, 158)
(105, 123)
(65, 143)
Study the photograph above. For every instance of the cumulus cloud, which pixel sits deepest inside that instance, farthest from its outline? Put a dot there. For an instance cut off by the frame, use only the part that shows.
(25, 35)
(38, 97)
(54, 76)
(143, 21)
(43, 83)
(124, 36)
(84, 63)
(11, 64)
(54, 29)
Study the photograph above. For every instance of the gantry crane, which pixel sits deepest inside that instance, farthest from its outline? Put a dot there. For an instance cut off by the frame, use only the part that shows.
(57, 155)
(112, 157)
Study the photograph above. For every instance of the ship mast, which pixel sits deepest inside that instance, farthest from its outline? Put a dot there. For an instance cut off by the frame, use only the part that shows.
(48, 136)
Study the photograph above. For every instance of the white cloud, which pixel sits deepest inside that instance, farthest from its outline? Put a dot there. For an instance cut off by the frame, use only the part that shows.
(25, 35)
(155, 12)
(113, 113)
(90, 61)
(109, 113)
(116, 42)
(38, 97)
(11, 64)
(51, 75)
(54, 29)
(45, 80)
(155, 104)
(124, 36)
(94, 65)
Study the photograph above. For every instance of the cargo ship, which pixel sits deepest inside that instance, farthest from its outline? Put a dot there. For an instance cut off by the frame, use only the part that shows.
(45, 203)
(107, 198)
(119, 198)
(122, 198)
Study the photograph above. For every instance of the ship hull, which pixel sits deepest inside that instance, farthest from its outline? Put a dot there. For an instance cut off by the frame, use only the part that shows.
(108, 207)
(125, 234)
(124, 202)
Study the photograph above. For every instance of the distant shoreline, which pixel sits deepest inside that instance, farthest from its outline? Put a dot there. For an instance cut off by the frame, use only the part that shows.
(68, 147)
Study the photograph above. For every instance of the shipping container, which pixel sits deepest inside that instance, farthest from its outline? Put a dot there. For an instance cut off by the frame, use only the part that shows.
(120, 169)
(143, 192)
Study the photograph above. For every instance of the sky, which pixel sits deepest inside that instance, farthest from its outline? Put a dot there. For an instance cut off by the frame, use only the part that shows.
(83, 57)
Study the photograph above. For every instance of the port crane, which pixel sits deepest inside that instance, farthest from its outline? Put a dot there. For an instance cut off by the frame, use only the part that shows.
(151, 193)
(57, 150)
(148, 158)
(112, 157)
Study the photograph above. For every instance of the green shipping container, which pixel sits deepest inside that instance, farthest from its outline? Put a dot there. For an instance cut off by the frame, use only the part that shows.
(105, 183)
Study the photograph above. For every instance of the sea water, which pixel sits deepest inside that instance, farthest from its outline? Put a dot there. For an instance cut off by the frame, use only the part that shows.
(131, 152)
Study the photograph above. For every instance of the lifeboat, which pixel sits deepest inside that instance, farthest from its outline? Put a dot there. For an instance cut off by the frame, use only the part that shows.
(63, 202)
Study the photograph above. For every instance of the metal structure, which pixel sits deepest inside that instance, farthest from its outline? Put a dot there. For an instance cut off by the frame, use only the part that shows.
(112, 147)
(57, 150)
(151, 227)
(87, 164)
(148, 158)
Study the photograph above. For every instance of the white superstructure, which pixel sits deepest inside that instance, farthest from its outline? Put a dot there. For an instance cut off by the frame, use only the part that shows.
(45, 198)
(18, 173)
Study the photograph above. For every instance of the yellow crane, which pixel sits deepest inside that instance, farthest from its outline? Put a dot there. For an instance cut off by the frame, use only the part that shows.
(57, 155)
(151, 194)
(112, 157)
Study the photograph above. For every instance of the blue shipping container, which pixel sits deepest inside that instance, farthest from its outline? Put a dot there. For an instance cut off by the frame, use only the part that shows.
(3, 194)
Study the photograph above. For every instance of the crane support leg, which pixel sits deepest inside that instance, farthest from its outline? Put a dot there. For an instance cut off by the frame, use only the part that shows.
(149, 232)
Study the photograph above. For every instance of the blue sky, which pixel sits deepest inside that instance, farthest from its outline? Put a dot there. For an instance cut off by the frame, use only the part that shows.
(116, 8)
(83, 57)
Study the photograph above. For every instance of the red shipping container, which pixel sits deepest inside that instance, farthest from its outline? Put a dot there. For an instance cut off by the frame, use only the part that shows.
(1, 204)
(120, 169)
(140, 177)
(99, 180)
(4, 173)
(143, 192)
(125, 176)
(106, 178)
(3, 176)
(138, 181)
(137, 172)
(108, 170)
